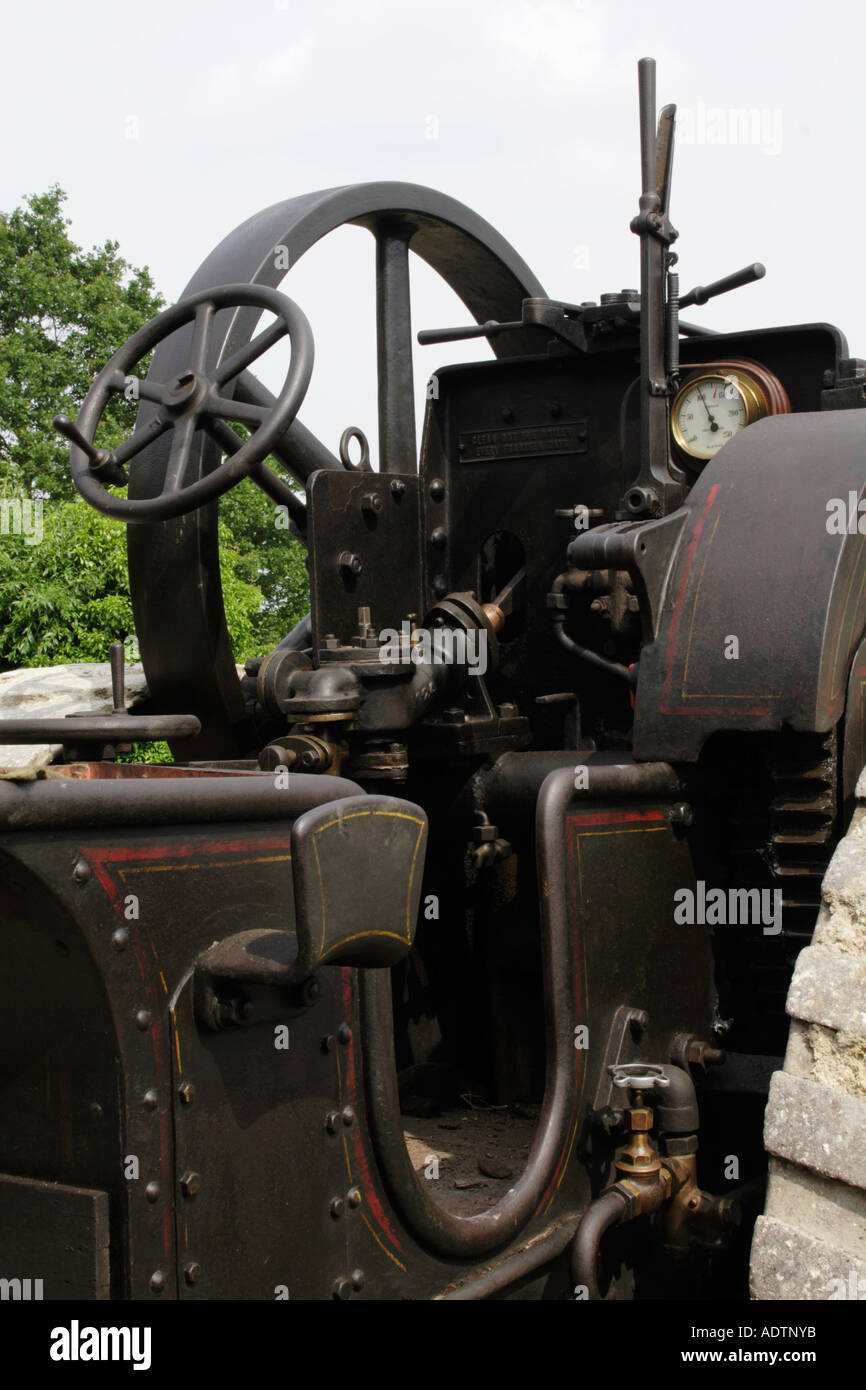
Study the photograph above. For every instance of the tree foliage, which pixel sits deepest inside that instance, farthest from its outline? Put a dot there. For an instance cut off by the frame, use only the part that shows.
(63, 313)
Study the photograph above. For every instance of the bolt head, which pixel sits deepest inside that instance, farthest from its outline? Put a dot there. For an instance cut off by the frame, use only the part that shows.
(190, 1183)
(342, 1289)
(353, 1197)
(157, 1281)
(332, 1122)
(187, 1093)
(338, 1206)
(192, 1272)
(398, 487)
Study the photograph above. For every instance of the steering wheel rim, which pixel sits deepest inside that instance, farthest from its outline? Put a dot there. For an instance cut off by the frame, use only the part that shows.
(193, 400)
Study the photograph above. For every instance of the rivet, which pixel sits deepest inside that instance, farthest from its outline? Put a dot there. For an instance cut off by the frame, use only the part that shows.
(439, 537)
(353, 1197)
(341, 1289)
(157, 1282)
(329, 1042)
(358, 1279)
(151, 1100)
(337, 1208)
(437, 489)
(142, 1019)
(398, 487)
(190, 1183)
(332, 1122)
(348, 1115)
(191, 1272)
(120, 939)
(82, 871)
(151, 1192)
(508, 414)
(94, 1110)
(344, 1033)
(187, 1092)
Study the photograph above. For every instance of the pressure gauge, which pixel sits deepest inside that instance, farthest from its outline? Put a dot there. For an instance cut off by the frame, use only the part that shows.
(710, 408)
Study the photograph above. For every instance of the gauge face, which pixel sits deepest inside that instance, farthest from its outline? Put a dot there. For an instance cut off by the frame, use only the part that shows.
(707, 412)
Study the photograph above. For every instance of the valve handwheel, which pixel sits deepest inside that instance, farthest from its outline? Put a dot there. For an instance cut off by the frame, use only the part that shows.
(195, 399)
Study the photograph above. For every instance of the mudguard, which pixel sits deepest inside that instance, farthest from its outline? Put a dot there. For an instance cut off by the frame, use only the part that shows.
(764, 602)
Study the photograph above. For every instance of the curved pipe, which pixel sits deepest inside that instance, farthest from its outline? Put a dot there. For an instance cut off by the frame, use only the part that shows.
(441, 1231)
(613, 668)
(609, 1210)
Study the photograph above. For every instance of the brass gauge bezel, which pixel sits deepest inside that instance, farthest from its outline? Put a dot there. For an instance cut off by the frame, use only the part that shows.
(747, 386)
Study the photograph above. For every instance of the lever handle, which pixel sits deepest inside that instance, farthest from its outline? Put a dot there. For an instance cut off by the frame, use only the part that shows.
(701, 293)
(70, 431)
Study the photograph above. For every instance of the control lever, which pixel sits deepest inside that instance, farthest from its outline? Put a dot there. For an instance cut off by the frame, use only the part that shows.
(427, 336)
(701, 293)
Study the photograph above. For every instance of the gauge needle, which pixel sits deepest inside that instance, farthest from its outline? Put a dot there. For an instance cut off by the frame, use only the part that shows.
(713, 424)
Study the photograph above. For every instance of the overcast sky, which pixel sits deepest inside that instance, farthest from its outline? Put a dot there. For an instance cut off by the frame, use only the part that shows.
(170, 122)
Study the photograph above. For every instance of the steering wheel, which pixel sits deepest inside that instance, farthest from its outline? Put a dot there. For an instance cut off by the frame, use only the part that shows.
(192, 400)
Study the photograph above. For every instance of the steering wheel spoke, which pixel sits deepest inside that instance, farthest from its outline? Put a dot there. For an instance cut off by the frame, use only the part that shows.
(137, 388)
(240, 360)
(222, 408)
(179, 454)
(140, 439)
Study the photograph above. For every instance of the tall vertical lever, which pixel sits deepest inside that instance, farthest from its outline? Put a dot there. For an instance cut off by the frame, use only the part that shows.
(656, 490)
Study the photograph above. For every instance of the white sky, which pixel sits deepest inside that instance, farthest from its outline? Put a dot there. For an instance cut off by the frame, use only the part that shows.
(234, 106)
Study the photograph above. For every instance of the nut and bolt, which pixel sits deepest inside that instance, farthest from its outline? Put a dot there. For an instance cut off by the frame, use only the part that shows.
(353, 1197)
(350, 564)
(341, 1289)
(398, 487)
(371, 502)
(186, 1093)
(192, 1272)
